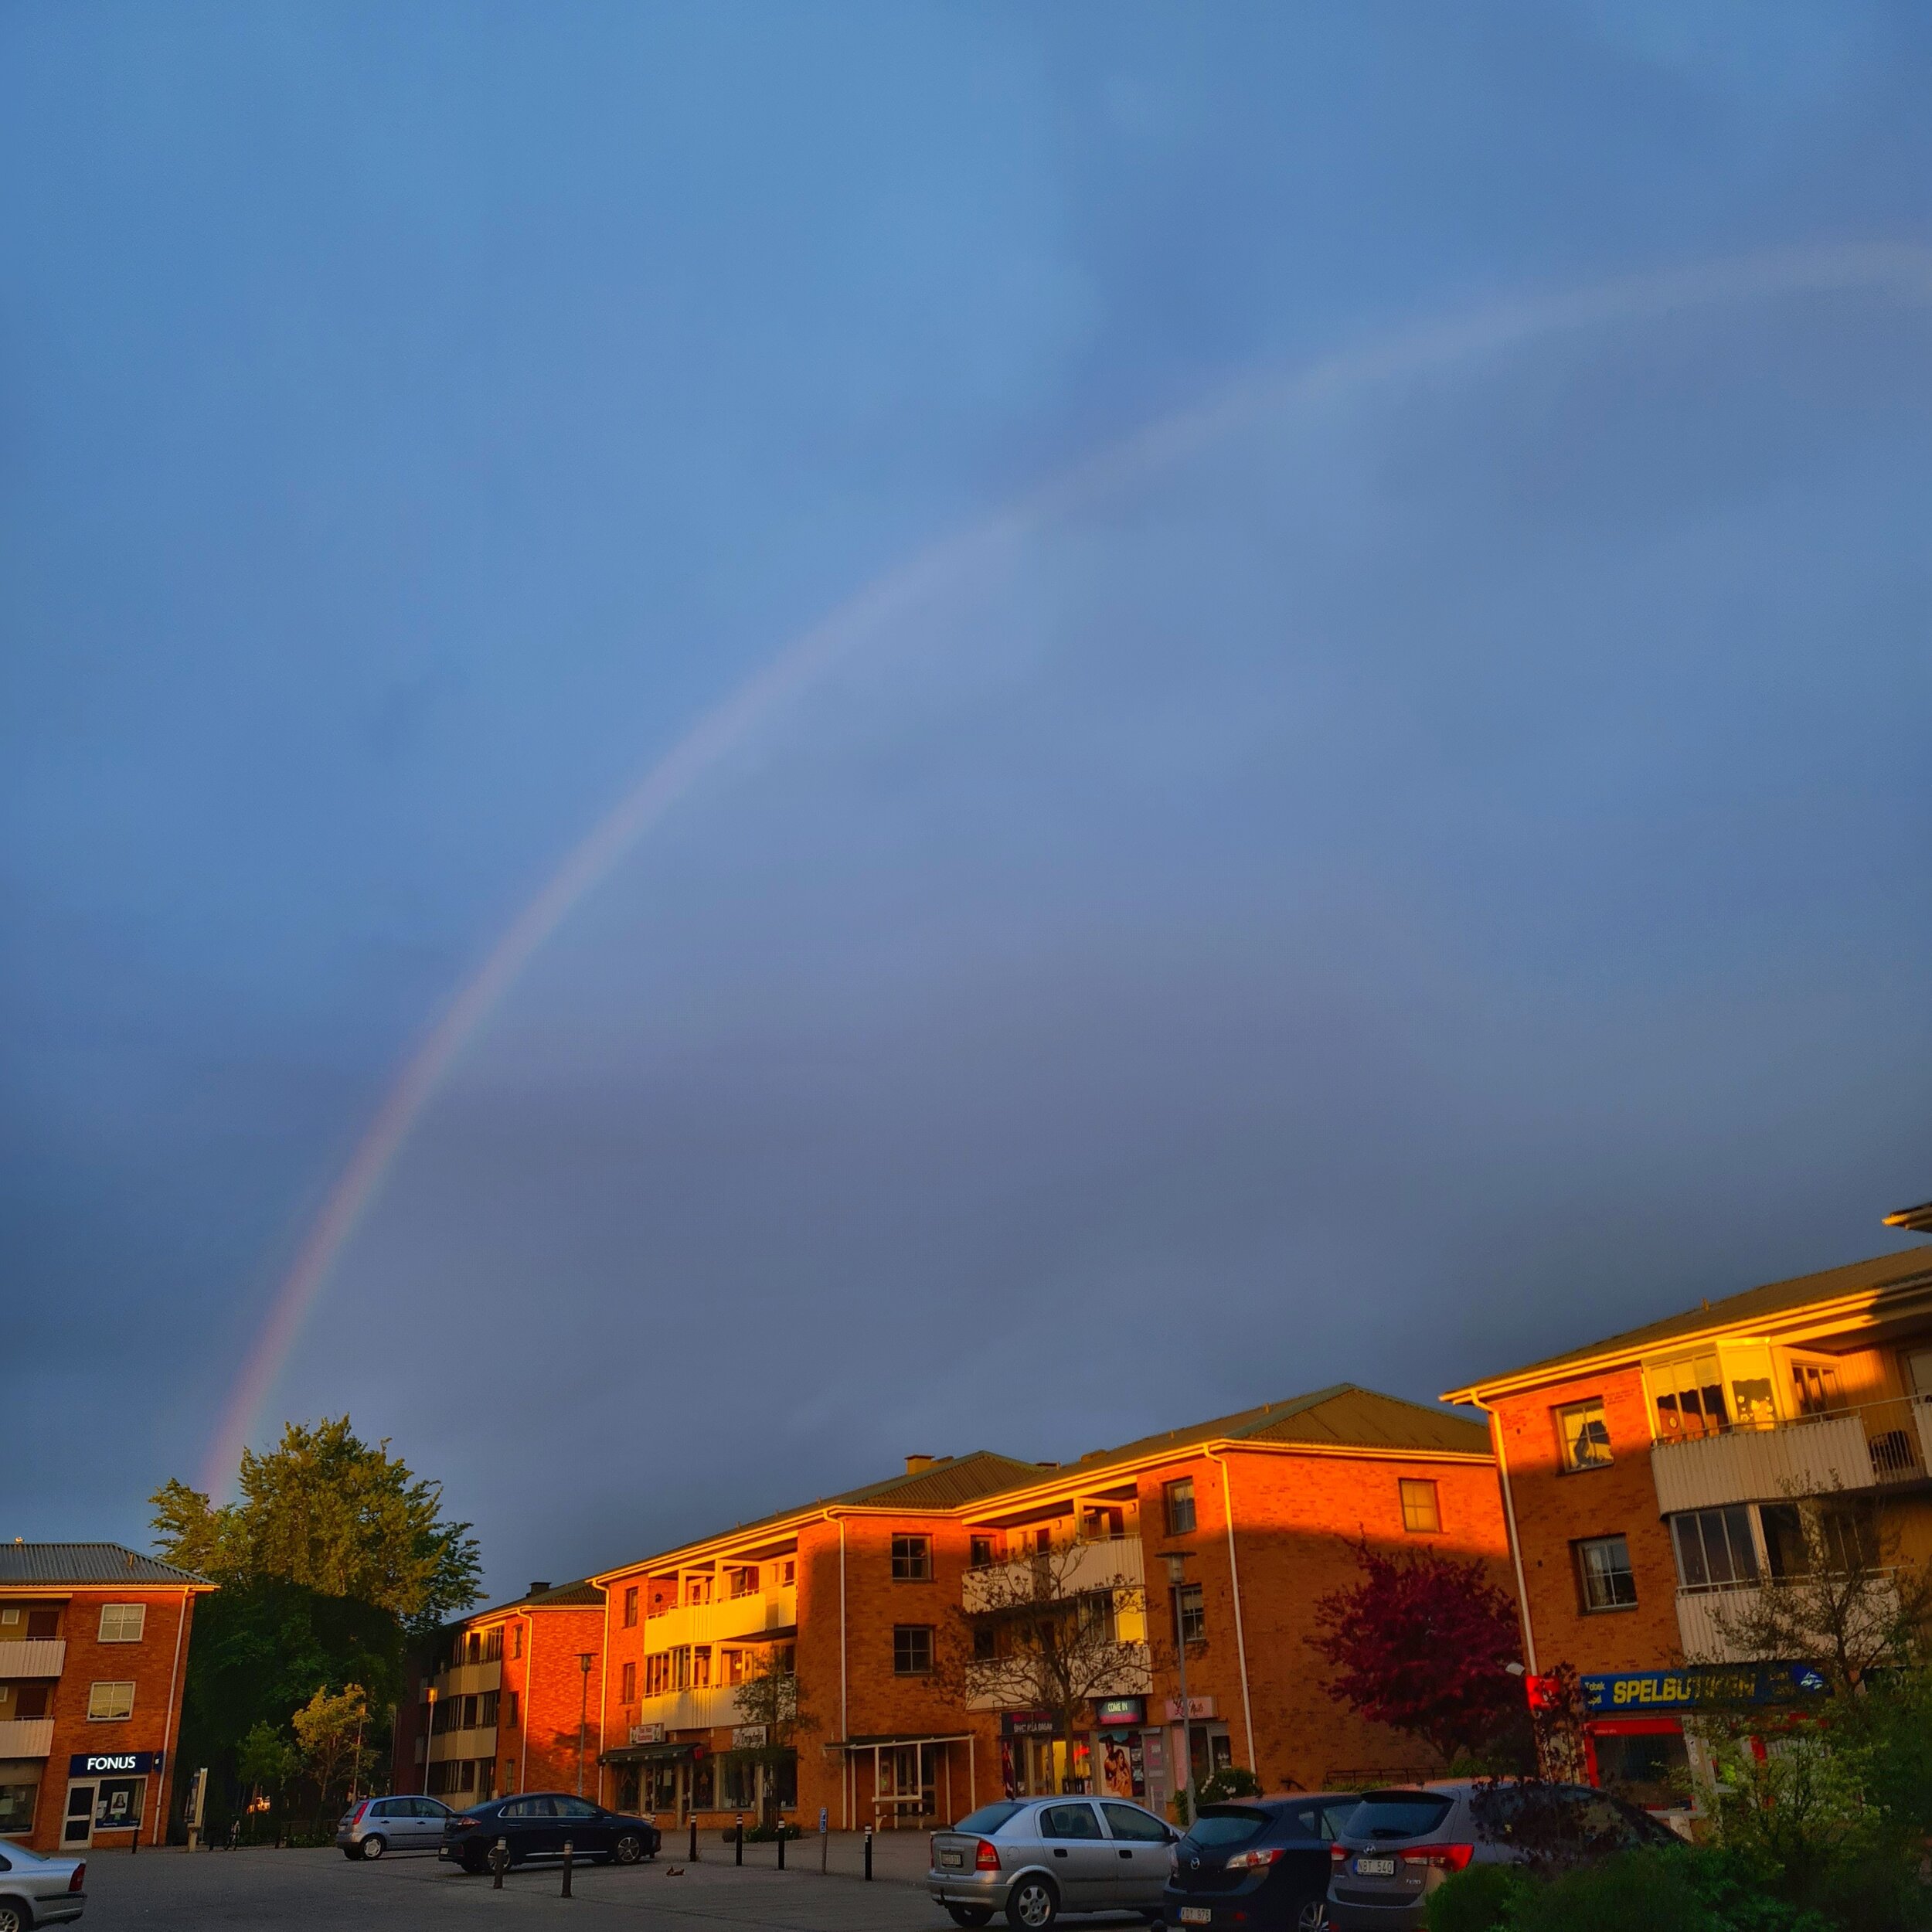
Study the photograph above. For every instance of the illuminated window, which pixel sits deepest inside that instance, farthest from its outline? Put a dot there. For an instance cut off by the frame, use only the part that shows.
(1583, 1435)
(122, 1623)
(1690, 1398)
(1179, 1498)
(108, 1702)
(1604, 1573)
(1421, 1512)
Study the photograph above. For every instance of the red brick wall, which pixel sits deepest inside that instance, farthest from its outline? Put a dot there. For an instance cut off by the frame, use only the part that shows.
(1554, 1510)
(154, 1665)
(549, 1686)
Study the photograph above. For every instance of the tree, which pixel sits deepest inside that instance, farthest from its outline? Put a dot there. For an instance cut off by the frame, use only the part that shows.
(770, 1698)
(326, 1511)
(1043, 1633)
(329, 1730)
(1422, 1643)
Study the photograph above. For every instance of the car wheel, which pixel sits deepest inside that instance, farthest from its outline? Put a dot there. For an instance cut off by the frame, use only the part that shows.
(628, 1848)
(13, 1918)
(1033, 1904)
(373, 1846)
(1313, 1915)
(969, 1914)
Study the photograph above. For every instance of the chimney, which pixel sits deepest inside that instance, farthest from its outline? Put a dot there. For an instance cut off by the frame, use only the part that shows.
(538, 1589)
(914, 1465)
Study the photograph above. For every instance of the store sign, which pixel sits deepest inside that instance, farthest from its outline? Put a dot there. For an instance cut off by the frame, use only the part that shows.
(748, 1737)
(1196, 1707)
(1699, 1684)
(114, 1763)
(647, 1733)
(1120, 1710)
(1026, 1724)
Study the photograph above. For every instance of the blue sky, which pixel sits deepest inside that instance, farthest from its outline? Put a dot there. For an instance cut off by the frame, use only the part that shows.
(1429, 872)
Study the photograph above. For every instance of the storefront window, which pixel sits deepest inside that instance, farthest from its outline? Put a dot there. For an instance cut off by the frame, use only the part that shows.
(1648, 1766)
(118, 1803)
(16, 1807)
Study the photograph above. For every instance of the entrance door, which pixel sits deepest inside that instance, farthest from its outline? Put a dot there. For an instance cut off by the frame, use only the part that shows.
(79, 1827)
(1919, 1364)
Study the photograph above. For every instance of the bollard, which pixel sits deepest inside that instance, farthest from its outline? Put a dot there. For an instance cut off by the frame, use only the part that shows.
(565, 1892)
(693, 1854)
(499, 1857)
(868, 1851)
(738, 1850)
(781, 1844)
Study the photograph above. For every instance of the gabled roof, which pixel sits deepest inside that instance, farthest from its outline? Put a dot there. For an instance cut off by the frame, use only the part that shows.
(1884, 1274)
(24, 1563)
(561, 1596)
(1341, 1416)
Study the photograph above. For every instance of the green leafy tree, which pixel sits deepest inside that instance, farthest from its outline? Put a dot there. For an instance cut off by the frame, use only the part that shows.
(329, 1730)
(330, 1511)
(771, 1697)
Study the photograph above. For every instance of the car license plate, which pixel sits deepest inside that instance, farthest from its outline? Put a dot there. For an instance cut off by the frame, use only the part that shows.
(1375, 1868)
(955, 1859)
(1197, 1915)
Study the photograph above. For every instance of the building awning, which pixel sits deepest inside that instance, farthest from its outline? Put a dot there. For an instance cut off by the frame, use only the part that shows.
(885, 1739)
(784, 1633)
(647, 1753)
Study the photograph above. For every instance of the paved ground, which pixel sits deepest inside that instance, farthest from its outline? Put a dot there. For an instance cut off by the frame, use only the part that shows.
(181, 1892)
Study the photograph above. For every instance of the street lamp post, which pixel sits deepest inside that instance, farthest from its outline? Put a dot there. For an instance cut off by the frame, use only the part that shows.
(583, 1714)
(1176, 1561)
(429, 1732)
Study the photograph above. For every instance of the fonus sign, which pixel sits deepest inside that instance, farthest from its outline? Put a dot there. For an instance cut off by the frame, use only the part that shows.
(114, 1763)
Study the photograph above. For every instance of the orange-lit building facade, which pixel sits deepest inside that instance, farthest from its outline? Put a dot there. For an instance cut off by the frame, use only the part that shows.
(94, 1644)
(864, 1598)
(508, 1701)
(1653, 1480)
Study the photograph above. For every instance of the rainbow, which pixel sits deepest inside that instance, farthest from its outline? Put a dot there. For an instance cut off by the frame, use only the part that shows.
(958, 560)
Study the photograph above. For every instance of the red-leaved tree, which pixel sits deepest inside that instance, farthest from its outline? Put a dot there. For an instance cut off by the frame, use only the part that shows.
(1421, 1643)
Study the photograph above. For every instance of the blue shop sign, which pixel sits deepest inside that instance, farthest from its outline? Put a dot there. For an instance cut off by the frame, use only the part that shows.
(1616, 1693)
(114, 1763)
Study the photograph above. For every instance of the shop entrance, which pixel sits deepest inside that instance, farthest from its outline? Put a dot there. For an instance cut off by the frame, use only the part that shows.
(105, 1804)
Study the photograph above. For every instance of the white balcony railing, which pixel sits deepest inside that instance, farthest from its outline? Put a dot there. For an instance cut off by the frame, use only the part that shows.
(740, 1618)
(26, 1736)
(1852, 1449)
(692, 1710)
(1115, 1562)
(33, 1657)
(469, 1680)
(478, 1741)
(1710, 1622)
(1131, 1676)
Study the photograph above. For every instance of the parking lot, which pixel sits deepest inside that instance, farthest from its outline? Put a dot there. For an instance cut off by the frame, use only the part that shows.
(167, 1890)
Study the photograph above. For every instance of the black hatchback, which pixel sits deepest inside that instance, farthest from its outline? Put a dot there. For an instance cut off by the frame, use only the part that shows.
(1261, 1863)
(537, 1825)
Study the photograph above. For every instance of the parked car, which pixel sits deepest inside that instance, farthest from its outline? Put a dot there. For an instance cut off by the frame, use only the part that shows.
(380, 1825)
(535, 1824)
(1034, 1859)
(38, 1891)
(1262, 1863)
(1397, 1846)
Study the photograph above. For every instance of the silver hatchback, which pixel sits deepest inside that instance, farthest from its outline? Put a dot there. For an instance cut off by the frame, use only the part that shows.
(380, 1825)
(1034, 1859)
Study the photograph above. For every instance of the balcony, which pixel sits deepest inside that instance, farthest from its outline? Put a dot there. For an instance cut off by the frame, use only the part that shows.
(33, 1657)
(730, 1619)
(469, 1680)
(1110, 1562)
(478, 1741)
(1701, 1615)
(26, 1736)
(1868, 1448)
(693, 1710)
(1132, 1676)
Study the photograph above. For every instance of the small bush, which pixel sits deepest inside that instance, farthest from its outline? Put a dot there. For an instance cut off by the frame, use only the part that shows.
(1648, 1891)
(1231, 1781)
(1482, 1898)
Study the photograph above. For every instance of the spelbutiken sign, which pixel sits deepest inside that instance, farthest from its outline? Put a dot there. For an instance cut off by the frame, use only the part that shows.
(1614, 1692)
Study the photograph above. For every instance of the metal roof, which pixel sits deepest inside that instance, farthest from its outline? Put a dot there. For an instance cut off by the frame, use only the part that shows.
(26, 1563)
(1882, 1275)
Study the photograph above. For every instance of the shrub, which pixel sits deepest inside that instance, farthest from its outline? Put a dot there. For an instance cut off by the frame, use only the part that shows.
(1231, 1781)
(1482, 1899)
(1650, 1891)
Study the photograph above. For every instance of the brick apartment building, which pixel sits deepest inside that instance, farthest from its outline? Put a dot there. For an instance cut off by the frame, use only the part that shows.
(861, 1594)
(1652, 1479)
(499, 1703)
(93, 1643)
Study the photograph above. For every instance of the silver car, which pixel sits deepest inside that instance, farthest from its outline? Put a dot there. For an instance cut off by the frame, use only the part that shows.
(38, 1891)
(380, 1825)
(1034, 1859)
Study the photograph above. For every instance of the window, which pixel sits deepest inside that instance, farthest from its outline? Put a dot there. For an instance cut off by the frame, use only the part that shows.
(657, 1673)
(1191, 1613)
(516, 1641)
(1690, 1398)
(1421, 1512)
(475, 1646)
(1179, 1498)
(1130, 1822)
(107, 1702)
(701, 1667)
(1603, 1570)
(471, 1707)
(510, 1710)
(788, 1572)
(1069, 1822)
(698, 1591)
(43, 1623)
(630, 1608)
(733, 1661)
(912, 1650)
(628, 1680)
(744, 1583)
(681, 1667)
(1583, 1435)
(1714, 1549)
(1839, 1540)
(486, 1716)
(985, 1646)
(122, 1623)
(911, 1559)
(981, 1553)
(1816, 1388)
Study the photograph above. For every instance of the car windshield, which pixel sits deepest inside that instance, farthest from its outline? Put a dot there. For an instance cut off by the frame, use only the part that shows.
(988, 1818)
(1220, 1825)
(1398, 1814)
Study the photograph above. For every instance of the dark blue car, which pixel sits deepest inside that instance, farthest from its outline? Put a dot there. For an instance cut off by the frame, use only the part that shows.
(537, 1825)
(1260, 1862)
